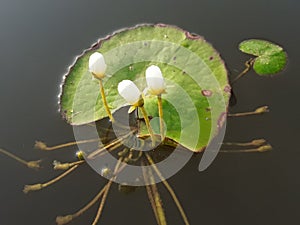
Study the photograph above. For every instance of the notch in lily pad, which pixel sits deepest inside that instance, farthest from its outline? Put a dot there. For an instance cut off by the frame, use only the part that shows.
(270, 58)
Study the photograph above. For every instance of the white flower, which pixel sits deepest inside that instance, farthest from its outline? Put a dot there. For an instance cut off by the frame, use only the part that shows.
(155, 80)
(129, 91)
(97, 65)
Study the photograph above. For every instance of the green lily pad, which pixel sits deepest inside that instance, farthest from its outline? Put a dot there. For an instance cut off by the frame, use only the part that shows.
(198, 91)
(271, 58)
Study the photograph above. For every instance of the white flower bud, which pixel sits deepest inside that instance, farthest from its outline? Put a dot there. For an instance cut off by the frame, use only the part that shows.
(97, 65)
(129, 91)
(155, 80)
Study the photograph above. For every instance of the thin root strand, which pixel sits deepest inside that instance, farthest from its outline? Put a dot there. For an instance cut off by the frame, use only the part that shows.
(255, 142)
(61, 220)
(264, 148)
(29, 164)
(43, 146)
(36, 187)
(170, 190)
(259, 110)
(64, 166)
(33, 187)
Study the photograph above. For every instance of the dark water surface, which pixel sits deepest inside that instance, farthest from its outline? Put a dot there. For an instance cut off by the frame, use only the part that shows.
(39, 39)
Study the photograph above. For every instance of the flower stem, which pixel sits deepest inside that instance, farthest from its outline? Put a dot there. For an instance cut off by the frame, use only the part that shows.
(105, 102)
(148, 124)
(161, 121)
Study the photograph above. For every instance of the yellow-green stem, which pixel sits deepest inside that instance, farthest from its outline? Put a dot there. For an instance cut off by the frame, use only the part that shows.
(105, 102)
(148, 124)
(161, 121)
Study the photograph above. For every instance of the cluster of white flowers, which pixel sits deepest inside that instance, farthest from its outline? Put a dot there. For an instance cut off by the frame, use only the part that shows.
(155, 82)
(130, 92)
(126, 88)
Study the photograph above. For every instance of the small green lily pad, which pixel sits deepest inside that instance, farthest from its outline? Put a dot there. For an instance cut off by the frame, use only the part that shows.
(198, 90)
(271, 58)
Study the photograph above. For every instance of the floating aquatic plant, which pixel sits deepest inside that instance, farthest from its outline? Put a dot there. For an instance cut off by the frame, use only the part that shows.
(270, 57)
(192, 68)
(151, 71)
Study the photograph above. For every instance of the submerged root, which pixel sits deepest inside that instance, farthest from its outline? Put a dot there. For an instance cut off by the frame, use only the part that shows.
(255, 142)
(256, 145)
(248, 66)
(170, 190)
(61, 220)
(36, 187)
(263, 148)
(154, 197)
(65, 166)
(33, 187)
(40, 145)
(259, 110)
(34, 164)
(43, 146)
(29, 164)
(110, 146)
(105, 194)
(102, 203)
